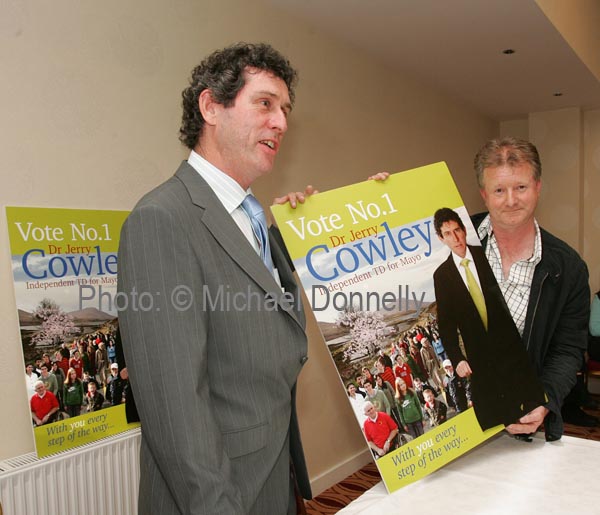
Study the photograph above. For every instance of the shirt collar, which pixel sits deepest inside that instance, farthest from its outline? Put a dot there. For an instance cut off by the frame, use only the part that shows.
(457, 259)
(228, 191)
(485, 230)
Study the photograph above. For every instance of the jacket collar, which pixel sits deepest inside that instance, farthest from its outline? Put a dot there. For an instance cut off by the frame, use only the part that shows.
(220, 224)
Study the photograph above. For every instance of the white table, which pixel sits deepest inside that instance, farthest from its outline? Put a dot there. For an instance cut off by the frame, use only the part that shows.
(501, 476)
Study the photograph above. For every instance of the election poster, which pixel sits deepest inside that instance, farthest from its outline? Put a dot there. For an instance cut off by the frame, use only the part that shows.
(430, 363)
(64, 264)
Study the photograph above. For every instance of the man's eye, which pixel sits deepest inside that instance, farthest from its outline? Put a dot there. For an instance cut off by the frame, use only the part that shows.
(266, 103)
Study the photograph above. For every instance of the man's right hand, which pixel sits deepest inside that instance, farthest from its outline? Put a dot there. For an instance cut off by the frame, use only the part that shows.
(529, 423)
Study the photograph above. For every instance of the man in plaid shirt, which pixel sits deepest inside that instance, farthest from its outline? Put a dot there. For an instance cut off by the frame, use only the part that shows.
(543, 280)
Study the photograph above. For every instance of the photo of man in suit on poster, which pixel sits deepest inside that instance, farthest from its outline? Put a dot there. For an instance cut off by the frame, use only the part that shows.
(471, 308)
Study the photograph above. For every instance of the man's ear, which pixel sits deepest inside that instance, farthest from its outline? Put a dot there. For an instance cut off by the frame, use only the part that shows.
(209, 107)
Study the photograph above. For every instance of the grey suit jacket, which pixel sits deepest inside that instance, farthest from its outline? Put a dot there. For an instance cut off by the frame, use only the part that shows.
(213, 348)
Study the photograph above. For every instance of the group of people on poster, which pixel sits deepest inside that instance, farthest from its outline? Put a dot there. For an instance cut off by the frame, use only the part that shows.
(408, 390)
(81, 376)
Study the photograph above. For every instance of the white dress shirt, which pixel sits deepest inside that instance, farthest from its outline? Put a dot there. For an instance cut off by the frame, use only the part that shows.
(230, 194)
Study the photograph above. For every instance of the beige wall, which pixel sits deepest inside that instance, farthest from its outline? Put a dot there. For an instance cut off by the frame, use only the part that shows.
(569, 144)
(578, 22)
(591, 199)
(515, 128)
(558, 137)
(90, 111)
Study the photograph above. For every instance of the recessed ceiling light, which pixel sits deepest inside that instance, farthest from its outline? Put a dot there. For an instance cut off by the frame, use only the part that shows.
(508, 51)
(557, 94)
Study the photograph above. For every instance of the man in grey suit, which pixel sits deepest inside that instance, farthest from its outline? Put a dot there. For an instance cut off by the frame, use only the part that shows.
(213, 330)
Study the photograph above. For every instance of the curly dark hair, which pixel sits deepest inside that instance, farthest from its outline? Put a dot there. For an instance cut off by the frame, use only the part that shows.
(443, 215)
(223, 73)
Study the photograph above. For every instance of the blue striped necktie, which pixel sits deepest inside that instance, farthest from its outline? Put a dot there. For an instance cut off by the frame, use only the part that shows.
(256, 214)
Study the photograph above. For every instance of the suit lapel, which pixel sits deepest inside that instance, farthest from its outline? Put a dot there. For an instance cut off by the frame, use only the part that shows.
(288, 282)
(494, 299)
(489, 285)
(225, 231)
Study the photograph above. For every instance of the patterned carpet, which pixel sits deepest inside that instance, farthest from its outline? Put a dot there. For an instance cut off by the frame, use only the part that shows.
(340, 495)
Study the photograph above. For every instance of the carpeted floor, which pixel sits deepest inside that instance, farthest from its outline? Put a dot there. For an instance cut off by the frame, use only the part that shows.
(340, 495)
(343, 493)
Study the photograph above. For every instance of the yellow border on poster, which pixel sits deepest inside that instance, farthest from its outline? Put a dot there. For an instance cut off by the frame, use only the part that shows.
(436, 448)
(53, 229)
(89, 427)
(399, 200)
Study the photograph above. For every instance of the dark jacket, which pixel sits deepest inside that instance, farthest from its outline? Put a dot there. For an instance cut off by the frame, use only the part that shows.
(504, 386)
(555, 333)
(94, 403)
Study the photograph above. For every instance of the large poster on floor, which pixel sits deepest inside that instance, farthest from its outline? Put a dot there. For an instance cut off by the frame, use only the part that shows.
(412, 317)
(64, 264)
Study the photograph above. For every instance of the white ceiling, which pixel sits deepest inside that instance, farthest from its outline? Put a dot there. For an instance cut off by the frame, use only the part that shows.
(457, 45)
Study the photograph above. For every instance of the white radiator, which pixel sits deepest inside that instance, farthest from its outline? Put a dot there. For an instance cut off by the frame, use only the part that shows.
(100, 478)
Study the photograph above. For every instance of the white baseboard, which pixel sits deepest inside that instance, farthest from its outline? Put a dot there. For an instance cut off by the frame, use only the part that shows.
(340, 471)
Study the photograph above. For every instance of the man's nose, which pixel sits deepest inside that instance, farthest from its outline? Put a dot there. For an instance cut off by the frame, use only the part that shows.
(279, 121)
(510, 197)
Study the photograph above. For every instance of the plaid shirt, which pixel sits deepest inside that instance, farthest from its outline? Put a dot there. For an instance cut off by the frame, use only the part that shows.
(517, 286)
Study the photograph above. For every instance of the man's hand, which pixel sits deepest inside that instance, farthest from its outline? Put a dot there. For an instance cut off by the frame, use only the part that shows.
(381, 176)
(293, 197)
(529, 423)
(463, 369)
